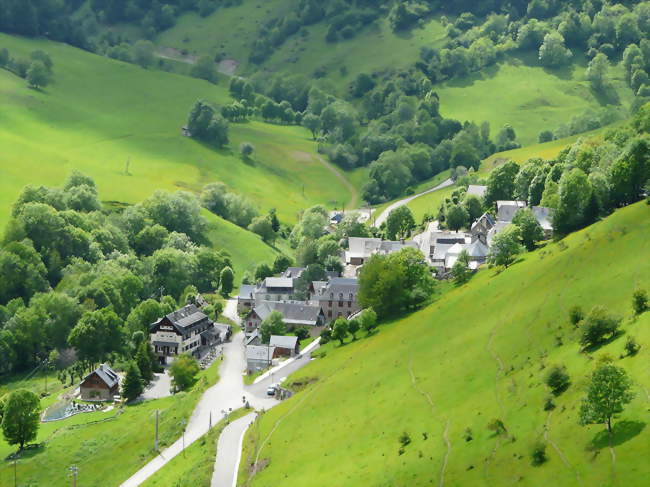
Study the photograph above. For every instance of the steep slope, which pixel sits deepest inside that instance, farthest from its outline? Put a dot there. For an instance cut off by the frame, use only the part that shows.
(99, 113)
(480, 352)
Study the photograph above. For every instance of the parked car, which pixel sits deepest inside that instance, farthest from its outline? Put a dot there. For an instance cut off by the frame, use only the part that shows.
(271, 390)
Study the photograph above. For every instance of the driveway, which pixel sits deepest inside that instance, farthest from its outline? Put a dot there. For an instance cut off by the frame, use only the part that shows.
(159, 387)
(226, 394)
(381, 218)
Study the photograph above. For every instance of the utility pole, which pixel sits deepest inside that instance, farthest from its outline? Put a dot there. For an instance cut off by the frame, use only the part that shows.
(74, 471)
(155, 445)
(210, 423)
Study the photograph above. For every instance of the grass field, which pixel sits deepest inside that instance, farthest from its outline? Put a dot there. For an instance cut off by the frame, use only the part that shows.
(480, 352)
(429, 203)
(525, 95)
(99, 113)
(194, 468)
(106, 446)
(246, 249)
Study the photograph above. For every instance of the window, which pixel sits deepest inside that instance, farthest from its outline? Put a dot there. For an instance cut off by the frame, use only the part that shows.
(351, 296)
(329, 313)
(330, 304)
(340, 296)
(349, 304)
(331, 295)
(340, 304)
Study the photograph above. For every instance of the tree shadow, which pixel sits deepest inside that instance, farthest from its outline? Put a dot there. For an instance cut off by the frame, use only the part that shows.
(28, 452)
(606, 96)
(531, 59)
(622, 432)
(592, 348)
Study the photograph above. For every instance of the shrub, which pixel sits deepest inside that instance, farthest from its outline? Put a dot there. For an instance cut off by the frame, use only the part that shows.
(404, 439)
(497, 426)
(558, 380)
(549, 404)
(539, 453)
(599, 326)
(632, 347)
(640, 301)
(576, 315)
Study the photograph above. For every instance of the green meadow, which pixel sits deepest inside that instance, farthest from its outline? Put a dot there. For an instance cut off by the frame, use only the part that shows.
(246, 249)
(525, 95)
(101, 116)
(478, 353)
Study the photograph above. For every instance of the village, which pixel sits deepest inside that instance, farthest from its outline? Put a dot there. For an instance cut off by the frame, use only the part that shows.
(190, 331)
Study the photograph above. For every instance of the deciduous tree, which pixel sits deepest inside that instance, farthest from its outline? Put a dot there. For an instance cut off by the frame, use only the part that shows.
(21, 417)
(608, 392)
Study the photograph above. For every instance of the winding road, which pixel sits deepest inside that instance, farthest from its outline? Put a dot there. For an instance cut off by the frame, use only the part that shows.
(227, 394)
(381, 218)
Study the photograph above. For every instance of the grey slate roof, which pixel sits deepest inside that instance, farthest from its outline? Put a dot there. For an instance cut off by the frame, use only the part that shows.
(296, 313)
(337, 285)
(246, 291)
(106, 374)
(278, 282)
(477, 250)
(506, 210)
(259, 352)
(486, 221)
(293, 272)
(186, 316)
(282, 341)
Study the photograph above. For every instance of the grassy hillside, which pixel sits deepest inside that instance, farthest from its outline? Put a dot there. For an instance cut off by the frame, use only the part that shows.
(480, 352)
(526, 95)
(98, 442)
(246, 249)
(99, 113)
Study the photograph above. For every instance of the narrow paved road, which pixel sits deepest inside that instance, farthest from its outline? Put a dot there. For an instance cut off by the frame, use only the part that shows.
(226, 394)
(381, 218)
(229, 452)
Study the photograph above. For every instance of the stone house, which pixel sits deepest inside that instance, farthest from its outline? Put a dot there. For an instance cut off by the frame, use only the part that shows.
(336, 297)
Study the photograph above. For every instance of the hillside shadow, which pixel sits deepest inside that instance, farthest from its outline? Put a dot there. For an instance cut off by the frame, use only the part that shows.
(606, 96)
(622, 432)
(471, 78)
(531, 60)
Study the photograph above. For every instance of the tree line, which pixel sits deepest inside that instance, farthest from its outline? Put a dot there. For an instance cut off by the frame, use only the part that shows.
(77, 274)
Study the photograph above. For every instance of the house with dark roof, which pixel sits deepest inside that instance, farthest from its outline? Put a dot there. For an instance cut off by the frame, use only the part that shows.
(337, 297)
(102, 384)
(284, 346)
(294, 313)
(183, 331)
